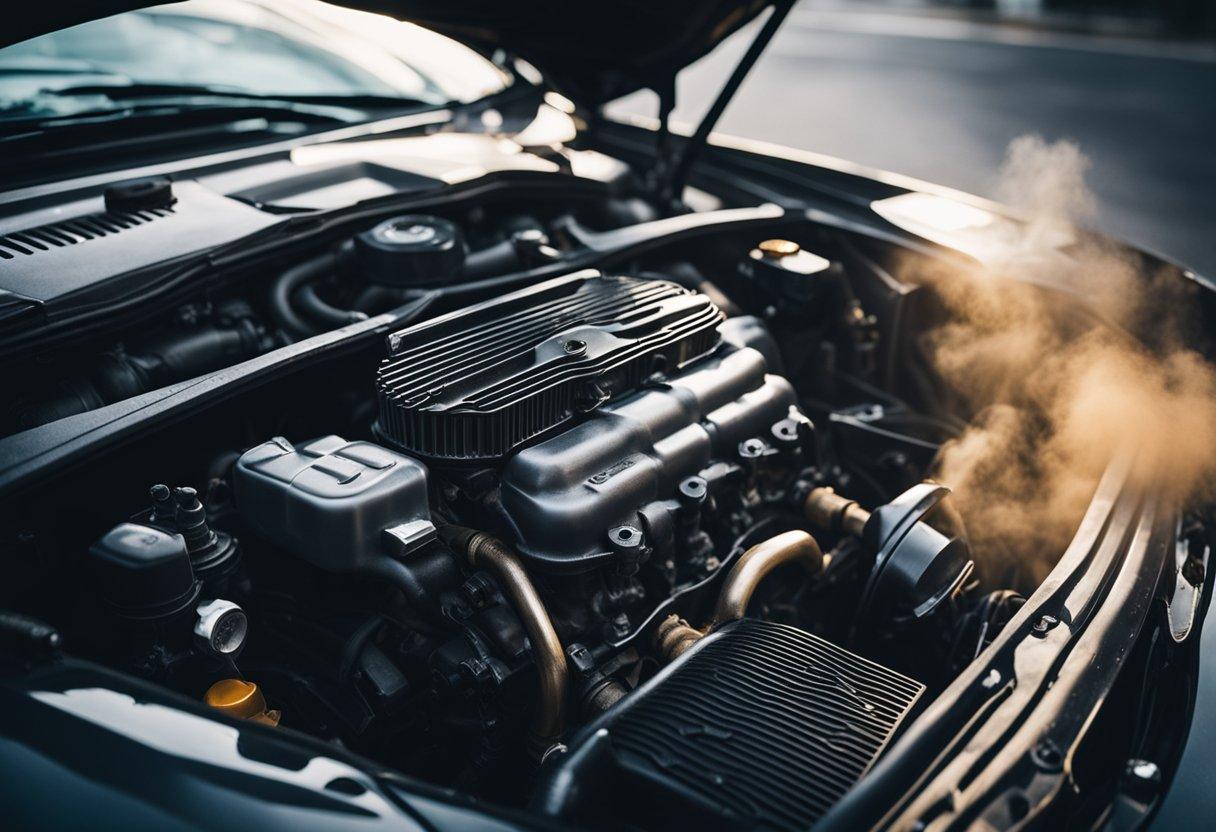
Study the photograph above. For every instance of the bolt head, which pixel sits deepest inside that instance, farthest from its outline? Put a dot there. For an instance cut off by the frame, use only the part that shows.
(693, 490)
(477, 592)
(1047, 756)
(752, 448)
(1044, 625)
(626, 537)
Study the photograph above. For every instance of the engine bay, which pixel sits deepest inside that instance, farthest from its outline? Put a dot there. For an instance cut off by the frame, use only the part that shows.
(547, 533)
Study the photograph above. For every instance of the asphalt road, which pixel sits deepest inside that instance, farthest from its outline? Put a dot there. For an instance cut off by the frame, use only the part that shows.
(942, 99)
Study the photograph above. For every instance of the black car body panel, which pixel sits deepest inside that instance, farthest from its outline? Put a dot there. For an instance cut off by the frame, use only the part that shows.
(97, 749)
(1111, 636)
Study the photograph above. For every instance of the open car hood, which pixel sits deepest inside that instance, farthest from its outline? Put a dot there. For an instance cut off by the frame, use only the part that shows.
(592, 52)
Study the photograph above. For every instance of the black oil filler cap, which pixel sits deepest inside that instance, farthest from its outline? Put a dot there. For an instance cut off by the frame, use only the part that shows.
(143, 572)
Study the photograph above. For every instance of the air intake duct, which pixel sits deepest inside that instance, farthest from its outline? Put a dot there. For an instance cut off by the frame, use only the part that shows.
(478, 382)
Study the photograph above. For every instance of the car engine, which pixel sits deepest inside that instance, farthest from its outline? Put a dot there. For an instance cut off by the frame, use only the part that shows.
(547, 543)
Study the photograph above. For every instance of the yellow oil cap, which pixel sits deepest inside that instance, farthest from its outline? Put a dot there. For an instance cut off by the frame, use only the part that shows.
(242, 700)
(779, 248)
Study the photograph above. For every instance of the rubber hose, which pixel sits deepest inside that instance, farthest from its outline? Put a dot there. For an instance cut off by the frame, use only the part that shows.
(285, 286)
(496, 259)
(323, 311)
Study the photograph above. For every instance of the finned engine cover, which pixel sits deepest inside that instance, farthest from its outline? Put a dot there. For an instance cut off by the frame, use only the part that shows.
(478, 382)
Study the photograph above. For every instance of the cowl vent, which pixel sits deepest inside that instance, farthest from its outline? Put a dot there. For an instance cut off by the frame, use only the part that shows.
(72, 232)
(77, 254)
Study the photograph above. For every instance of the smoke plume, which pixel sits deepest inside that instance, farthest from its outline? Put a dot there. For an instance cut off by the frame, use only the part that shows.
(1057, 391)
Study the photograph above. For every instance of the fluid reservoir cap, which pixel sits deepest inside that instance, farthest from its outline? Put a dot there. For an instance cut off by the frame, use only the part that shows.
(778, 248)
(241, 700)
(144, 572)
(415, 250)
(784, 269)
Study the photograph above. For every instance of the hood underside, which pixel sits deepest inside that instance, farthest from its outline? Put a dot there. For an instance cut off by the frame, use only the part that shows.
(592, 52)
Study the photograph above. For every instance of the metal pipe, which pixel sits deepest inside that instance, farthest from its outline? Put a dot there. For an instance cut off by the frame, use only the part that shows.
(826, 509)
(491, 554)
(675, 635)
(755, 564)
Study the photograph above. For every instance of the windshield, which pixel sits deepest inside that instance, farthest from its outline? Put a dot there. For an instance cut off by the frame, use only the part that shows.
(260, 47)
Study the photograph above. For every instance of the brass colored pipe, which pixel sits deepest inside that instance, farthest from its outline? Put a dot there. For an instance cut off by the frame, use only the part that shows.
(491, 554)
(826, 509)
(675, 635)
(756, 563)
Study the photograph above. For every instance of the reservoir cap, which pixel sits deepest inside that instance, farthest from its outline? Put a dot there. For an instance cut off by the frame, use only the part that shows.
(412, 251)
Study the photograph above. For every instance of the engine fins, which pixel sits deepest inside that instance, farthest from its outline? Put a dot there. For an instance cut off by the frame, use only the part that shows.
(476, 383)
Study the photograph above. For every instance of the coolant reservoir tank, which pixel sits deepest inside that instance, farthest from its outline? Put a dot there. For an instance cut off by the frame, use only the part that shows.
(143, 573)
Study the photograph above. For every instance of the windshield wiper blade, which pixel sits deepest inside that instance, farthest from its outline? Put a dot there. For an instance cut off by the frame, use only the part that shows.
(151, 89)
(132, 122)
(198, 109)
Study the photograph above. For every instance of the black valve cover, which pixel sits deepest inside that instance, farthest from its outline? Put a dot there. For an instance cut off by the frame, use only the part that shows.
(478, 382)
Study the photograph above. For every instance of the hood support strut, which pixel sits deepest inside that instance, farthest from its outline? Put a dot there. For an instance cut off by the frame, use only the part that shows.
(672, 176)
